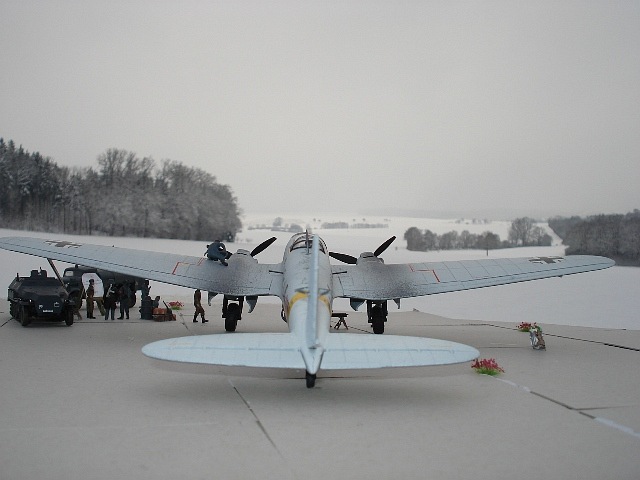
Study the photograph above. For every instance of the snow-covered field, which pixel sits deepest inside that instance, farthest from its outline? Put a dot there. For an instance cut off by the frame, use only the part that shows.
(604, 299)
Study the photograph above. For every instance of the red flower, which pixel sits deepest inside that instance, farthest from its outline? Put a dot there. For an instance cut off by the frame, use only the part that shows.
(488, 366)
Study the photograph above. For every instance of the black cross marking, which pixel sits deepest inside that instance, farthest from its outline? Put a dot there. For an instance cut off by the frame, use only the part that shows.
(546, 260)
(62, 244)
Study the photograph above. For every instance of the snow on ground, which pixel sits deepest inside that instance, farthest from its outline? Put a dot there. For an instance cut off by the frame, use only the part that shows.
(604, 299)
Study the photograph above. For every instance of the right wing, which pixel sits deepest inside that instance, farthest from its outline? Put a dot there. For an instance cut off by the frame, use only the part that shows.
(374, 280)
(244, 276)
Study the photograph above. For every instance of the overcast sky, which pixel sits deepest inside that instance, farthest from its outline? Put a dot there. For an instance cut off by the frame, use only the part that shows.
(527, 107)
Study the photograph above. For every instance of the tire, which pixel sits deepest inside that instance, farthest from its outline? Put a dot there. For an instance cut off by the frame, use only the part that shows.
(377, 320)
(68, 317)
(311, 380)
(23, 316)
(231, 319)
(378, 326)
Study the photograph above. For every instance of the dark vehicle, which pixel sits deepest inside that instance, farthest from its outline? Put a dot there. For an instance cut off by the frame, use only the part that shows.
(72, 279)
(39, 297)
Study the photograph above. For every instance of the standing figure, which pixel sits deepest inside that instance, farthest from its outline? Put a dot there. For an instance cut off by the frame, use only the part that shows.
(90, 298)
(145, 288)
(100, 304)
(124, 292)
(110, 300)
(77, 303)
(197, 302)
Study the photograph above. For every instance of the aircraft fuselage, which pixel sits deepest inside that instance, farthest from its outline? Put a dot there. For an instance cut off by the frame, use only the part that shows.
(307, 307)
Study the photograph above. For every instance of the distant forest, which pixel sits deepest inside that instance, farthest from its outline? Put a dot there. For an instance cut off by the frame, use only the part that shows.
(123, 196)
(523, 232)
(613, 236)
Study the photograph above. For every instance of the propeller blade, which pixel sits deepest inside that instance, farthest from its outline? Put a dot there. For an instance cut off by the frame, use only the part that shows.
(343, 257)
(384, 246)
(262, 246)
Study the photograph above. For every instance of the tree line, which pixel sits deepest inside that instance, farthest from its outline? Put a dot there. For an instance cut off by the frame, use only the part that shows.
(124, 195)
(614, 236)
(523, 232)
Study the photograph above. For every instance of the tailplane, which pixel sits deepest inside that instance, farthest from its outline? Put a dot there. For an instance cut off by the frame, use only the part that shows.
(282, 350)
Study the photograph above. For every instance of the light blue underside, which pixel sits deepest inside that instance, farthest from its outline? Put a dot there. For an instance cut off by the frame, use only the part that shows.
(281, 350)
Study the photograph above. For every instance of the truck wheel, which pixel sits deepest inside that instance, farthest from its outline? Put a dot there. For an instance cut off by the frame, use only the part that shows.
(68, 317)
(23, 316)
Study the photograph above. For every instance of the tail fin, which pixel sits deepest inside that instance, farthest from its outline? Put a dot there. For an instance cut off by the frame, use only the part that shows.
(312, 305)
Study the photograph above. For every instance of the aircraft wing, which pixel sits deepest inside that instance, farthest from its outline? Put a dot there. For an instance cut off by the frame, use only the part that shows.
(374, 280)
(244, 276)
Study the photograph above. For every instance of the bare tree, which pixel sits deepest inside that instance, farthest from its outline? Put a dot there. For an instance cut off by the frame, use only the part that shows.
(521, 231)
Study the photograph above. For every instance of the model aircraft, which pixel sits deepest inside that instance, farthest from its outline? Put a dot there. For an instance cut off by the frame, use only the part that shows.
(307, 282)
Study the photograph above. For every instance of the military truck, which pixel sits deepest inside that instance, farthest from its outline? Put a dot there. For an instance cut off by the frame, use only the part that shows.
(39, 297)
(72, 279)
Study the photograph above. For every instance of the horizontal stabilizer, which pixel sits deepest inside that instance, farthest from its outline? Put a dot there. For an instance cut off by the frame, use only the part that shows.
(282, 350)
(272, 350)
(351, 351)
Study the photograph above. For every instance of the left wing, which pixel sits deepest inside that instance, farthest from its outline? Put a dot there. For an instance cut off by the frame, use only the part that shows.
(244, 276)
(373, 280)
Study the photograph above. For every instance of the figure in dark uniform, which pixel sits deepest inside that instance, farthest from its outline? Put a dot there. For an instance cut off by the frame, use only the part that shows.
(217, 251)
(90, 299)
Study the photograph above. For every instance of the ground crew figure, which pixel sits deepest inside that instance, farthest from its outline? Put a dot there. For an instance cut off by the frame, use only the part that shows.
(145, 288)
(90, 297)
(217, 251)
(124, 293)
(110, 300)
(100, 304)
(197, 302)
(77, 298)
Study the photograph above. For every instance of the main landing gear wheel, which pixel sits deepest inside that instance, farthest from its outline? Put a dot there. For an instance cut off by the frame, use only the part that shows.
(231, 318)
(311, 380)
(377, 320)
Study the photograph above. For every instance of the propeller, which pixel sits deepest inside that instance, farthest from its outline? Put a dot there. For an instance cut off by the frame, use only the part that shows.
(344, 258)
(351, 260)
(218, 251)
(262, 246)
(384, 246)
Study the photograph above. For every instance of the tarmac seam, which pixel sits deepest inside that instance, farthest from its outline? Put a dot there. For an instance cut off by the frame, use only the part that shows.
(262, 428)
(633, 349)
(184, 324)
(255, 416)
(606, 344)
(602, 420)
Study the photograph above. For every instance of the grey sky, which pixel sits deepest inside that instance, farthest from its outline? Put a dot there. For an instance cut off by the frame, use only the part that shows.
(525, 107)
